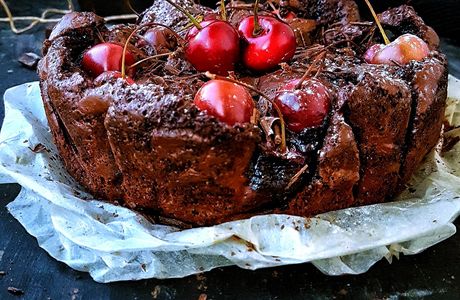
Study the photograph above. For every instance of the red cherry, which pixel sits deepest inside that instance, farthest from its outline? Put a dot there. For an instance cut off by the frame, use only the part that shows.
(106, 76)
(211, 16)
(105, 57)
(214, 48)
(275, 44)
(304, 107)
(227, 101)
(402, 50)
(162, 39)
(290, 16)
(370, 53)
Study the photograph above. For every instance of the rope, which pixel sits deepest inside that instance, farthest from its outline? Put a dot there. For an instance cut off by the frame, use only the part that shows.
(34, 20)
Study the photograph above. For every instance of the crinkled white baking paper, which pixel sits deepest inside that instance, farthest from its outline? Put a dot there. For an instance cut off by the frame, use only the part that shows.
(113, 243)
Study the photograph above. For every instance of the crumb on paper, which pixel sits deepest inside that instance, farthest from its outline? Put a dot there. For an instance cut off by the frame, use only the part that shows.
(449, 142)
(39, 148)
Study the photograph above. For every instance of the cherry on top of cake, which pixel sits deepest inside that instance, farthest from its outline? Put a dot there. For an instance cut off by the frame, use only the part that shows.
(255, 44)
(402, 50)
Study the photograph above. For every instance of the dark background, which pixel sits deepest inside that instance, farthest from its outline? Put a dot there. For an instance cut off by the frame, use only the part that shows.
(433, 274)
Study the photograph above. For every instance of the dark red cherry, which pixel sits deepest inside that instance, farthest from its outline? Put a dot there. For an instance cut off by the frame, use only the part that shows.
(402, 50)
(105, 57)
(214, 48)
(211, 16)
(161, 38)
(304, 107)
(290, 16)
(264, 51)
(227, 101)
(106, 76)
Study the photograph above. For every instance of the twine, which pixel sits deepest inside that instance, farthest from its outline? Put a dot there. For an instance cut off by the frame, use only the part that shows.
(34, 20)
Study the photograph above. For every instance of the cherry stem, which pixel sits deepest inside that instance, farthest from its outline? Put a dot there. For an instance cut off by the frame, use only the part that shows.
(323, 49)
(123, 57)
(187, 14)
(379, 25)
(257, 28)
(125, 48)
(250, 87)
(223, 11)
(149, 58)
(274, 10)
(310, 68)
(99, 35)
(189, 25)
(130, 6)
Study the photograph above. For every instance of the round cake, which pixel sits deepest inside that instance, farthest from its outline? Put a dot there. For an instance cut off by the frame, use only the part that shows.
(305, 109)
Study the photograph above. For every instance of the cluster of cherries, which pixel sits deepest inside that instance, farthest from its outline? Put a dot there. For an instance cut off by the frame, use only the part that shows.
(213, 45)
(267, 42)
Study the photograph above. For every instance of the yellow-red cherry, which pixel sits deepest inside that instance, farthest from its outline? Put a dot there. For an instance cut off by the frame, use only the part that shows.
(402, 50)
(371, 51)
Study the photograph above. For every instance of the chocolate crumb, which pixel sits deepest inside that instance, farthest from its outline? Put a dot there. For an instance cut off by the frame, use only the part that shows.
(29, 60)
(449, 143)
(74, 293)
(155, 292)
(15, 291)
(38, 148)
(307, 223)
(203, 297)
(201, 282)
(343, 292)
(250, 247)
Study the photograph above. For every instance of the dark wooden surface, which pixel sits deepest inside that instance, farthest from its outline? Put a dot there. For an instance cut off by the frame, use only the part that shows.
(433, 274)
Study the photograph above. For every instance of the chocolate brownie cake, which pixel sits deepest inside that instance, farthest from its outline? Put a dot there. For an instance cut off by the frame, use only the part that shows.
(140, 137)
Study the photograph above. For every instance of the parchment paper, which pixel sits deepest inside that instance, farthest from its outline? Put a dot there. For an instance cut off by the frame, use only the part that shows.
(113, 243)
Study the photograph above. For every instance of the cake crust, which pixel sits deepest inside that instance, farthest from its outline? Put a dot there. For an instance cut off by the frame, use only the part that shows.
(148, 147)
